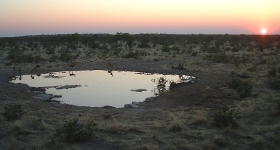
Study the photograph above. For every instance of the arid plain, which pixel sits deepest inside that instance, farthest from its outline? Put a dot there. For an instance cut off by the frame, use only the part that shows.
(233, 103)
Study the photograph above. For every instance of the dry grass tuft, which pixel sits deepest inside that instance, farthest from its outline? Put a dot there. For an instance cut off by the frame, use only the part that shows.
(16, 127)
(207, 145)
(175, 126)
(114, 128)
(135, 129)
(221, 141)
(171, 116)
(208, 88)
(199, 118)
(12, 143)
(44, 126)
(258, 143)
(182, 115)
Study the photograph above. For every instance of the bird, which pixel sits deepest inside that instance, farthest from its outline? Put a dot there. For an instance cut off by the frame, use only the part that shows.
(31, 73)
(71, 73)
(110, 72)
(37, 66)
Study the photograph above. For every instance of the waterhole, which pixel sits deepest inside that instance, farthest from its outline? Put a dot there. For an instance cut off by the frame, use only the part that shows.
(98, 88)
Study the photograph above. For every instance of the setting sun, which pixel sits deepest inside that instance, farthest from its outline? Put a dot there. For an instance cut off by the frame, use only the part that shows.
(263, 31)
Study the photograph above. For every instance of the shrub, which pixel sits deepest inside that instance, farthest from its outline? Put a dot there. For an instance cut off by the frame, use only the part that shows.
(272, 72)
(176, 48)
(165, 48)
(156, 59)
(132, 55)
(161, 81)
(274, 83)
(234, 49)
(240, 59)
(224, 117)
(74, 131)
(194, 54)
(242, 88)
(219, 58)
(274, 78)
(13, 112)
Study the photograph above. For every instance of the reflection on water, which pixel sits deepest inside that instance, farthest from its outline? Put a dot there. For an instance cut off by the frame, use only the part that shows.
(99, 88)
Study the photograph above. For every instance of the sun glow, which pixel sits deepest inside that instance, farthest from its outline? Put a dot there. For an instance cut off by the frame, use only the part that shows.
(263, 31)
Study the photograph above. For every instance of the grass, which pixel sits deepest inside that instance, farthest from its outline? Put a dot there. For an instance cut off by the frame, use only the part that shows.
(74, 131)
(13, 112)
(242, 88)
(188, 125)
(224, 117)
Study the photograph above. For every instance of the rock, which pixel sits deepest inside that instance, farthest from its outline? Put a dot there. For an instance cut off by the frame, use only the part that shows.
(53, 76)
(138, 90)
(149, 99)
(44, 96)
(68, 86)
(80, 124)
(243, 75)
(233, 73)
(57, 96)
(47, 87)
(107, 106)
(137, 103)
(131, 106)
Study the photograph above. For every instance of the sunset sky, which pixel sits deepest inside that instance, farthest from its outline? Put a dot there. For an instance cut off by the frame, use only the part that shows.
(35, 17)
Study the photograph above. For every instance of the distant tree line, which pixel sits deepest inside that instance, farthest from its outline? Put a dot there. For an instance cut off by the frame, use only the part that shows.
(65, 47)
(162, 39)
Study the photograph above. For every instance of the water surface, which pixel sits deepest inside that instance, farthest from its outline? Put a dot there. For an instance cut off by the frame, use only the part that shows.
(98, 88)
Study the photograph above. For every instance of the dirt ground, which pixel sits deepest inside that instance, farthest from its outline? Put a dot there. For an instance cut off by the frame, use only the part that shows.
(153, 125)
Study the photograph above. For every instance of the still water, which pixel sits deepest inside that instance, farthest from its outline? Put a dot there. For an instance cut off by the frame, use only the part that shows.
(97, 88)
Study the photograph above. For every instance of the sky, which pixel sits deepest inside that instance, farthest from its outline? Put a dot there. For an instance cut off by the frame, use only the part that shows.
(36, 17)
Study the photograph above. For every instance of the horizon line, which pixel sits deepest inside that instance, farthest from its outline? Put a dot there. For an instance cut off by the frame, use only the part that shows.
(54, 34)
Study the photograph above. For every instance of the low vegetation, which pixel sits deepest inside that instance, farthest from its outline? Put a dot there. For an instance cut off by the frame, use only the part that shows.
(274, 78)
(224, 117)
(242, 88)
(75, 131)
(208, 114)
(13, 112)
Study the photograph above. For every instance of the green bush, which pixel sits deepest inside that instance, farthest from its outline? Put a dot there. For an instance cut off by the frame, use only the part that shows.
(13, 112)
(74, 131)
(224, 117)
(242, 88)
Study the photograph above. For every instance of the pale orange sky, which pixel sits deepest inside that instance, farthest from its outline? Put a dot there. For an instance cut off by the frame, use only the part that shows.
(29, 17)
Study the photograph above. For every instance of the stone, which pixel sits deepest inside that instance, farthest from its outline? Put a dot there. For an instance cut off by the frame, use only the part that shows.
(68, 86)
(138, 90)
(44, 96)
(131, 106)
(149, 99)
